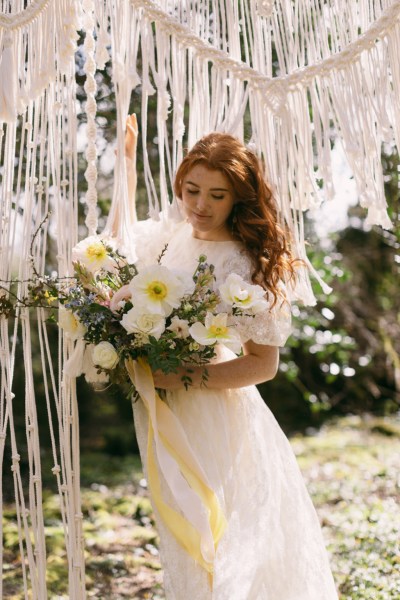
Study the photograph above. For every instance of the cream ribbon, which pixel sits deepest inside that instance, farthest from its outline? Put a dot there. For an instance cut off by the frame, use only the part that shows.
(200, 524)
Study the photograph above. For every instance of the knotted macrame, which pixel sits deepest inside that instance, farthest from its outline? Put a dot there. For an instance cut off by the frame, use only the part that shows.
(286, 76)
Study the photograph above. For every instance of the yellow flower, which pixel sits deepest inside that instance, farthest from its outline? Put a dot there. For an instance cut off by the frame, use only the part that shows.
(93, 254)
(246, 296)
(158, 289)
(96, 252)
(70, 324)
(216, 329)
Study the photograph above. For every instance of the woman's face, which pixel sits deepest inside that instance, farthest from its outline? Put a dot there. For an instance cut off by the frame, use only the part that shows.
(208, 199)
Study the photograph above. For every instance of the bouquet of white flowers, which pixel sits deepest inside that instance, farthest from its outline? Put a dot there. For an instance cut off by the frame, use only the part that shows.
(168, 317)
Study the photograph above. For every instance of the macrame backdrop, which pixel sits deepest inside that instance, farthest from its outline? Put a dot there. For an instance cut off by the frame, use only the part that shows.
(301, 72)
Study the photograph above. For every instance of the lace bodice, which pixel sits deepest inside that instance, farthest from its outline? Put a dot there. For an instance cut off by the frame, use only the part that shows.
(271, 327)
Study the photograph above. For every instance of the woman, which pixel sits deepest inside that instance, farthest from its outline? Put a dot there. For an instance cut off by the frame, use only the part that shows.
(272, 548)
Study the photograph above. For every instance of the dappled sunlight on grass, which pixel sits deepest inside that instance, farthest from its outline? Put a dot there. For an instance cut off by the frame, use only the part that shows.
(352, 471)
(352, 468)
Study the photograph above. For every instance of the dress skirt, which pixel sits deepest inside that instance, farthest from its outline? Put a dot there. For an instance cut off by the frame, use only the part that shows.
(272, 548)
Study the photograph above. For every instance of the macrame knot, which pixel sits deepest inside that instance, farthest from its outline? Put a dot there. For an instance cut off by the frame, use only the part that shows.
(91, 129)
(265, 7)
(102, 54)
(91, 172)
(91, 106)
(165, 103)
(276, 97)
(90, 66)
(91, 153)
(56, 469)
(90, 45)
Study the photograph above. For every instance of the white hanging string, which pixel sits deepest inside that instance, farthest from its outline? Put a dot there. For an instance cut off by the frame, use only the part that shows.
(311, 63)
(45, 174)
(205, 65)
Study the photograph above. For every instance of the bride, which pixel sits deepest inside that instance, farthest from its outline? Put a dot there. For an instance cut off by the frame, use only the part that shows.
(272, 547)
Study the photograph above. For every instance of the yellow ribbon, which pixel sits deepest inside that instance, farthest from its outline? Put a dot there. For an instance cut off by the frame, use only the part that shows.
(171, 444)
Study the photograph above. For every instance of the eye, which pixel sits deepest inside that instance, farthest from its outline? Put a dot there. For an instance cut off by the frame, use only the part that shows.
(192, 192)
(218, 197)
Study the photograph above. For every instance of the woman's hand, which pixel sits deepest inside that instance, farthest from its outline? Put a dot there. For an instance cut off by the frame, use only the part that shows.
(176, 381)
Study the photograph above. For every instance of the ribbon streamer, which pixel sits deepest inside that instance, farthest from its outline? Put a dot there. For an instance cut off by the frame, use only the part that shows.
(201, 523)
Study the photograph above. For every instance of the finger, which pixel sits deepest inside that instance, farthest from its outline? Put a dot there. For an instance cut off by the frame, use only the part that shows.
(132, 124)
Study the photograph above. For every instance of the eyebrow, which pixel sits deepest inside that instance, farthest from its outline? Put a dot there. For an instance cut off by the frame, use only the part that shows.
(211, 189)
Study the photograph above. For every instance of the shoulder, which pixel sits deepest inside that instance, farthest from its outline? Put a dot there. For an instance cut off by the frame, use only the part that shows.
(238, 261)
(149, 237)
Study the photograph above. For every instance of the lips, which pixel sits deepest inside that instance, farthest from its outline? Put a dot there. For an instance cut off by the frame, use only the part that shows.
(201, 216)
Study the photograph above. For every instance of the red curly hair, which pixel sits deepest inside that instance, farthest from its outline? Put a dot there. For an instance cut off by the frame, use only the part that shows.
(254, 218)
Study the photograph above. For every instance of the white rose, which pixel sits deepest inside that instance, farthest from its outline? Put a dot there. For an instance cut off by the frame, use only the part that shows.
(136, 320)
(70, 324)
(90, 370)
(105, 355)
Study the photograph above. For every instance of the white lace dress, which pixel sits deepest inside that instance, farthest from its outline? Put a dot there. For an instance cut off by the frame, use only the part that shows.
(272, 548)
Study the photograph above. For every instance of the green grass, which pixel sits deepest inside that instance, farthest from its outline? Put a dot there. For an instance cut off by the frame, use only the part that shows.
(352, 471)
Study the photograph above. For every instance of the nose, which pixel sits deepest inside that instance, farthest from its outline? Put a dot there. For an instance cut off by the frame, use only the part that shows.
(201, 203)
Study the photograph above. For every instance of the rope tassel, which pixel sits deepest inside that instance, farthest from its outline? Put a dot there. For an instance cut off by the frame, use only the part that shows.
(8, 82)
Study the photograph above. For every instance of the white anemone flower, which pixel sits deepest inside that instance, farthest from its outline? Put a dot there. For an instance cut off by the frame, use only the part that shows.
(180, 327)
(216, 329)
(246, 296)
(158, 289)
(139, 320)
(70, 323)
(92, 253)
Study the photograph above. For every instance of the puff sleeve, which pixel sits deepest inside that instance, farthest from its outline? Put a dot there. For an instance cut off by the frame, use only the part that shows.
(271, 327)
(149, 238)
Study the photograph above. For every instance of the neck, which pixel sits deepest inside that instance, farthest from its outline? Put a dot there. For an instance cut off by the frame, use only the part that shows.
(222, 235)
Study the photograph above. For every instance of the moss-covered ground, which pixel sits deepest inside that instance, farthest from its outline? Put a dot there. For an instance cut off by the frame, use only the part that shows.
(352, 469)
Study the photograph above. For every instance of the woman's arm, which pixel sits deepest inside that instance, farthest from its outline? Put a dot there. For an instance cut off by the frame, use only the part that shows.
(131, 137)
(258, 364)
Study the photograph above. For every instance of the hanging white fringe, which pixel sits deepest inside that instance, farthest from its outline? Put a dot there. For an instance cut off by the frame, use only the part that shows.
(37, 156)
(91, 109)
(323, 60)
(32, 68)
(8, 83)
(248, 68)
